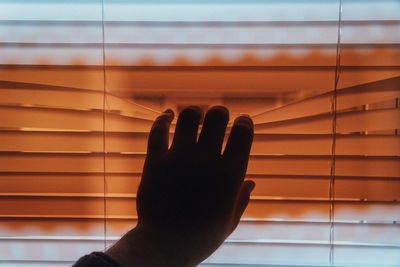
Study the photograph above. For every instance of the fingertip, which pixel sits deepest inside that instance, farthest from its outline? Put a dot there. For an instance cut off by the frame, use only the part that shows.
(199, 111)
(169, 114)
(219, 113)
(195, 108)
(251, 185)
(187, 127)
(220, 108)
(168, 110)
(237, 149)
(157, 143)
(244, 120)
(193, 112)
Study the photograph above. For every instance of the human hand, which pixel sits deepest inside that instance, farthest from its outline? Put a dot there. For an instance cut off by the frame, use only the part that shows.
(191, 197)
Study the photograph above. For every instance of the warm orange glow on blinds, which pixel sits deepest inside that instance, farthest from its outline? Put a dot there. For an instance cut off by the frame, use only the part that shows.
(273, 60)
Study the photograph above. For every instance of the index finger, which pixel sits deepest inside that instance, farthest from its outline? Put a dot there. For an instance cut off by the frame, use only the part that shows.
(237, 150)
(158, 138)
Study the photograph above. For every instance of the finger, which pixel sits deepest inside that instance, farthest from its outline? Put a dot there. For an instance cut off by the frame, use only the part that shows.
(213, 132)
(159, 133)
(187, 127)
(237, 150)
(242, 202)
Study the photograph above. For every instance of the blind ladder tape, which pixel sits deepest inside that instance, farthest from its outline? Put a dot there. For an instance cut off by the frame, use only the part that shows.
(333, 150)
(104, 127)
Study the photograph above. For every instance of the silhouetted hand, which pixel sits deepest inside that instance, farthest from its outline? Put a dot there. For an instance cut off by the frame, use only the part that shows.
(190, 197)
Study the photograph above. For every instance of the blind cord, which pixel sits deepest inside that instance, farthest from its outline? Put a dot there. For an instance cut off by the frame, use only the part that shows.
(104, 129)
(333, 149)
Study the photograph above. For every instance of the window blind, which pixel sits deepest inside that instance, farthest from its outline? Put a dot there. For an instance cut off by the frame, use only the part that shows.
(81, 82)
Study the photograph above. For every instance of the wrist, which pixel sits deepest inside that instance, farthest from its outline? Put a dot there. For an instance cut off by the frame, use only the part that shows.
(140, 247)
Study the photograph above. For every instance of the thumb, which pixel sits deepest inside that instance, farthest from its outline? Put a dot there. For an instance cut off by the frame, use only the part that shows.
(242, 202)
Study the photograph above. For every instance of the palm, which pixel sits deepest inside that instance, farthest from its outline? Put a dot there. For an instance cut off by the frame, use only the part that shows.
(191, 196)
(191, 189)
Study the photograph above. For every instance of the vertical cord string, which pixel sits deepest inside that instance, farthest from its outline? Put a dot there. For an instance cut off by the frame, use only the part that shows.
(333, 149)
(104, 129)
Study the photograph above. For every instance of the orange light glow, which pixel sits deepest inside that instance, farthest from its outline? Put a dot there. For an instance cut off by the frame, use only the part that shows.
(61, 161)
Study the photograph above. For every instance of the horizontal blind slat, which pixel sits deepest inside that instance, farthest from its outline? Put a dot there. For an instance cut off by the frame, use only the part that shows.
(248, 57)
(170, 82)
(225, 249)
(205, 11)
(291, 144)
(346, 98)
(347, 122)
(81, 207)
(375, 189)
(265, 164)
(74, 99)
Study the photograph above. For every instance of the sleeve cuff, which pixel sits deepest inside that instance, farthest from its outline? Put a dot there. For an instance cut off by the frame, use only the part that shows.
(96, 259)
